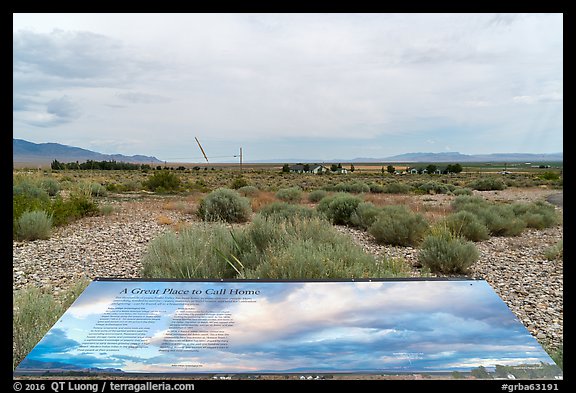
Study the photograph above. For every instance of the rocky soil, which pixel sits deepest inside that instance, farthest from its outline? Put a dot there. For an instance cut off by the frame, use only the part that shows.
(113, 245)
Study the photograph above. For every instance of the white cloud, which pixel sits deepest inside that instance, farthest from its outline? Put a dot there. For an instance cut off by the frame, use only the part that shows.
(247, 78)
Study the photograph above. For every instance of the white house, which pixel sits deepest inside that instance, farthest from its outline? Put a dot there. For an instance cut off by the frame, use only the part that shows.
(312, 168)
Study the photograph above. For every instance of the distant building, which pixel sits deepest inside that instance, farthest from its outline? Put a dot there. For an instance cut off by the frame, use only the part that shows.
(308, 168)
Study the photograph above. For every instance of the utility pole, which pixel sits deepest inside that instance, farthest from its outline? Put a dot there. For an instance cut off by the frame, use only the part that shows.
(240, 159)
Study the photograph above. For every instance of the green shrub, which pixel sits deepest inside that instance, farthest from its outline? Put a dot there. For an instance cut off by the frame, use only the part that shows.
(537, 215)
(365, 215)
(270, 247)
(338, 208)
(555, 251)
(353, 187)
(317, 195)
(22, 203)
(500, 219)
(238, 183)
(487, 184)
(468, 225)
(291, 195)
(376, 188)
(441, 252)
(306, 259)
(435, 188)
(287, 211)
(51, 186)
(196, 252)
(30, 189)
(97, 190)
(462, 191)
(397, 188)
(78, 205)
(162, 182)
(33, 225)
(106, 210)
(224, 204)
(397, 225)
(549, 176)
(248, 191)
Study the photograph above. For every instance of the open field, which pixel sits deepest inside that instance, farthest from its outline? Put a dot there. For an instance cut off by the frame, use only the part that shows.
(515, 167)
(114, 244)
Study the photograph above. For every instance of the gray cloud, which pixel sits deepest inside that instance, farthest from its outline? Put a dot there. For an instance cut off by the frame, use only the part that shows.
(143, 98)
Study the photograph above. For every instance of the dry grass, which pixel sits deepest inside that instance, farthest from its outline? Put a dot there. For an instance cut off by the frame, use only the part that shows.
(164, 220)
(262, 199)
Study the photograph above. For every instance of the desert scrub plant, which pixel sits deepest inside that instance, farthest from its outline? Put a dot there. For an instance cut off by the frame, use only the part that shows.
(487, 184)
(352, 187)
(29, 188)
(462, 191)
(317, 195)
(238, 183)
(290, 195)
(33, 225)
(34, 312)
(163, 182)
(97, 189)
(286, 210)
(51, 186)
(196, 252)
(441, 252)
(500, 219)
(76, 206)
(338, 208)
(468, 225)
(376, 188)
(309, 248)
(537, 215)
(435, 188)
(106, 210)
(364, 215)
(396, 225)
(306, 259)
(269, 248)
(248, 191)
(555, 251)
(397, 188)
(224, 204)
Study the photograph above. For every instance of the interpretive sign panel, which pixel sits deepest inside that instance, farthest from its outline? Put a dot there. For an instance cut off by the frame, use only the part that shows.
(444, 327)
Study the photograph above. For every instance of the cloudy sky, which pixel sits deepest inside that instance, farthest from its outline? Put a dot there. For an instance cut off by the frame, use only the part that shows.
(320, 86)
(289, 327)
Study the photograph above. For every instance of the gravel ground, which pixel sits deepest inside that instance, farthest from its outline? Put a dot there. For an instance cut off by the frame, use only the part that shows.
(113, 245)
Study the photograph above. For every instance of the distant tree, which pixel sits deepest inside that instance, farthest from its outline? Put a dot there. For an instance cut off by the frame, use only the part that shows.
(339, 166)
(158, 168)
(454, 168)
(306, 168)
(390, 169)
(286, 168)
(431, 168)
(352, 168)
(333, 167)
(382, 170)
(56, 165)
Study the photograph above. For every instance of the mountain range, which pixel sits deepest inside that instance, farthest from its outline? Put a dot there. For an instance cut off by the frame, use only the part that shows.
(450, 157)
(24, 151)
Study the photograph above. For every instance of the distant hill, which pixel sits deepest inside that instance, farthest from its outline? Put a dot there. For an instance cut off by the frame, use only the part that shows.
(458, 157)
(24, 151)
(451, 157)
